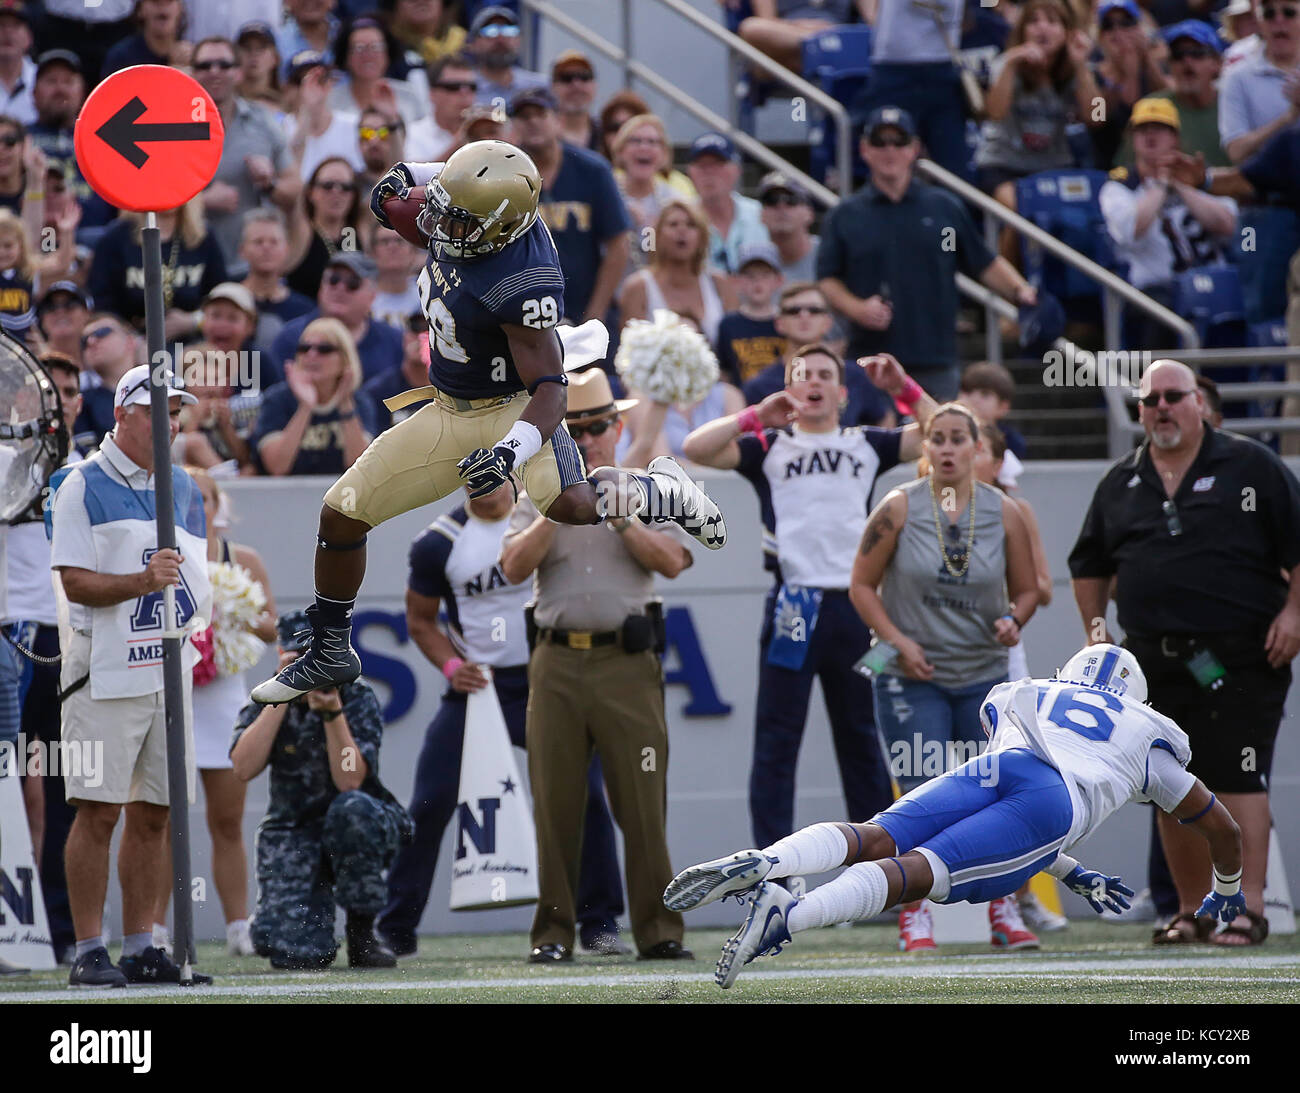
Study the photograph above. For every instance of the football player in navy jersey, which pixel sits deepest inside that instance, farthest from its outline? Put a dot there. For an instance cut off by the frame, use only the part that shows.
(493, 293)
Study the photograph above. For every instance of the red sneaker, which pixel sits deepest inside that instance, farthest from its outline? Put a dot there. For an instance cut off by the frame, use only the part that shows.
(915, 930)
(1008, 928)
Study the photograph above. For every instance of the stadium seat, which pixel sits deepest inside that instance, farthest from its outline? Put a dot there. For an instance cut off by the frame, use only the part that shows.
(750, 91)
(1065, 204)
(838, 61)
(1210, 297)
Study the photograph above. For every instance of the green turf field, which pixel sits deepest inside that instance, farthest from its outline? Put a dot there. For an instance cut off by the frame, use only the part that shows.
(1088, 963)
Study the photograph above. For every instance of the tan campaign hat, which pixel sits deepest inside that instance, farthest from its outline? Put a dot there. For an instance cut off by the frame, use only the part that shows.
(591, 397)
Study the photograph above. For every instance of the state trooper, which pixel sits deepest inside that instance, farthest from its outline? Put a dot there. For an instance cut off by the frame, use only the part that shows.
(331, 828)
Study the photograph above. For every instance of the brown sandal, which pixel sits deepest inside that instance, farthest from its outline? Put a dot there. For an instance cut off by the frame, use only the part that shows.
(1172, 934)
(1255, 933)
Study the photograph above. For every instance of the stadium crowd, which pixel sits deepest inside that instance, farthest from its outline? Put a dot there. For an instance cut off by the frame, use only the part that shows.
(295, 315)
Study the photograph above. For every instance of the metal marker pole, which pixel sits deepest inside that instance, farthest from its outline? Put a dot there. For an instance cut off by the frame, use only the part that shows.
(160, 369)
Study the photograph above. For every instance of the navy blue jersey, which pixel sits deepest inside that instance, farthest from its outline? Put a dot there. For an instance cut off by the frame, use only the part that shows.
(467, 301)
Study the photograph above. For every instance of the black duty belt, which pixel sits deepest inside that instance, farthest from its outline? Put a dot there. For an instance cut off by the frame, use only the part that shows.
(579, 639)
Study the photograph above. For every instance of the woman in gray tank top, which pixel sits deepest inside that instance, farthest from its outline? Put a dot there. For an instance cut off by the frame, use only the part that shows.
(938, 558)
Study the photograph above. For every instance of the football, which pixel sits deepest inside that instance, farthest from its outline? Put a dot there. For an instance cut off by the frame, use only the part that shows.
(401, 213)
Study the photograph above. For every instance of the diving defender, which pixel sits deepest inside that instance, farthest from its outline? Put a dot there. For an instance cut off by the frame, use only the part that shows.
(1063, 754)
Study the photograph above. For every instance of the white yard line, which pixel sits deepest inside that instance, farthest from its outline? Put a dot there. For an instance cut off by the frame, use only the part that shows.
(1009, 967)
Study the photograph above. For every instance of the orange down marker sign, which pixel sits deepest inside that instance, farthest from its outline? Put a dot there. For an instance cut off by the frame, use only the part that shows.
(148, 138)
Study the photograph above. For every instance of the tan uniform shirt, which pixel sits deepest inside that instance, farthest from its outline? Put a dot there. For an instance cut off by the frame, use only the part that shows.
(588, 580)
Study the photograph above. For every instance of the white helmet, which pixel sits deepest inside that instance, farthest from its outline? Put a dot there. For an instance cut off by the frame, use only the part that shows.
(1108, 668)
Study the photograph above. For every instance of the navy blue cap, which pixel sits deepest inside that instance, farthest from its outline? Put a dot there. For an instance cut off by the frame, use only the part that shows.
(360, 264)
(534, 96)
(303, 60)
(256, 26)
(71, 288)
(1107, 6)
(1196, 30)
(713, 144)
(491, 14)
(892, 116)
(293, 631)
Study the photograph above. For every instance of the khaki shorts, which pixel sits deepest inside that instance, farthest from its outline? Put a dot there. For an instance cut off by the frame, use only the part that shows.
(115, 749)
(414, 462)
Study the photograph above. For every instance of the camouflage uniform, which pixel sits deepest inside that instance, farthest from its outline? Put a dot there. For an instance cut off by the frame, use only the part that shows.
(316, 846)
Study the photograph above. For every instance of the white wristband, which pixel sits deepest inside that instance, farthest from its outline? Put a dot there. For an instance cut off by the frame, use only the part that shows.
(1063, 866)
(523, 439)
(1227, 886)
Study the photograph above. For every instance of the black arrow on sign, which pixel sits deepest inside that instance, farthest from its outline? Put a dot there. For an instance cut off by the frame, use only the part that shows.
(124, 135)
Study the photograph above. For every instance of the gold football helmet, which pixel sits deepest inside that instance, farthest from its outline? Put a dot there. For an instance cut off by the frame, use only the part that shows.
(483, 200)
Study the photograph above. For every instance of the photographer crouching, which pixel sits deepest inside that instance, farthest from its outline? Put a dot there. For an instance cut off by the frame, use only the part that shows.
(331, 828)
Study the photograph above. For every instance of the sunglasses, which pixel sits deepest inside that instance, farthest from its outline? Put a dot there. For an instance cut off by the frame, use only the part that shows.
(208, 66)
(1172, 522)
(457, 85)
(67, 303)
(574, 77)
(804, 309)
(337, 187)
(94, 335)
(775, 200)
(877, 141)
(325, 349)
(1172, 398)
(382, 133)
(349, 281)
(1189, 53)
(1121, 22)
(596, 428)
(1268, 11)
(10, 140)
(499, 30)
(139, 385)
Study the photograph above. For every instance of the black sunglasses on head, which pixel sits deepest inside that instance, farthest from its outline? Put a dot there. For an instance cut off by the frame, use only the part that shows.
(1172, 398)
(596, 428)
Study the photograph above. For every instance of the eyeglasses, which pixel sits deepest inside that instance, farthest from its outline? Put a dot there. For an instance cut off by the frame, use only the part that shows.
(596, 428)
(363, 48)
(456, 85)
(349, 281)
(804, 309)
(877, 141)
(574, 77)
(10, 140)
(779, 198)
(1269, 11)
(334, 187)
(1172, 398)
(1172, 522)
(382, 133)
(651, 142)
(94, 335)
(208, 66)
(1119, 22)
(1189, 53)
(500, 30)
(325, 349)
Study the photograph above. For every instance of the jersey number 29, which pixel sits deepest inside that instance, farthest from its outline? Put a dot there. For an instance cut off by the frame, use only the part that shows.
(541, 314)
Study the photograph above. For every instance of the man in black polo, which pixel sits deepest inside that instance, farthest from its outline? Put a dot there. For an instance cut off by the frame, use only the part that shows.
(889, 256)
(1202, 530)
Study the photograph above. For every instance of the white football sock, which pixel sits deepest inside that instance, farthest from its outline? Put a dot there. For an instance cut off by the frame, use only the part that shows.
(815, 849)
(857, 893)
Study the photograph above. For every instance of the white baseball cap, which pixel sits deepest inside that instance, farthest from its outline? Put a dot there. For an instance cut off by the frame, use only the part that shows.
(133, 388)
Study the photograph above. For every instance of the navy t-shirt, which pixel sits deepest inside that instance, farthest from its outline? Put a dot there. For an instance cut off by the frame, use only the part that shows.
(467, 301)
(132, 50)
(1275, 169)
(385, 385)
(117, 273)
(746, 346)
(321, 450)
(584, 210)
(58, 148)
(380, 348)
(272, 316)
(96, 417)
(867, 404)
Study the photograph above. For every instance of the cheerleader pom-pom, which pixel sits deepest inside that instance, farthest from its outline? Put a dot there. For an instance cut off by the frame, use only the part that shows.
(666, 360)
(237, 603)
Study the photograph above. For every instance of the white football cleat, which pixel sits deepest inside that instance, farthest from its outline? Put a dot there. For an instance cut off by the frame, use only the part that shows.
(717, 879)
(1040, 918)
(765, 931)
(698, 516)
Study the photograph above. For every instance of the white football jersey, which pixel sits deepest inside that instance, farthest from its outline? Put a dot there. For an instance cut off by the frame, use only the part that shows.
(1099, 741)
